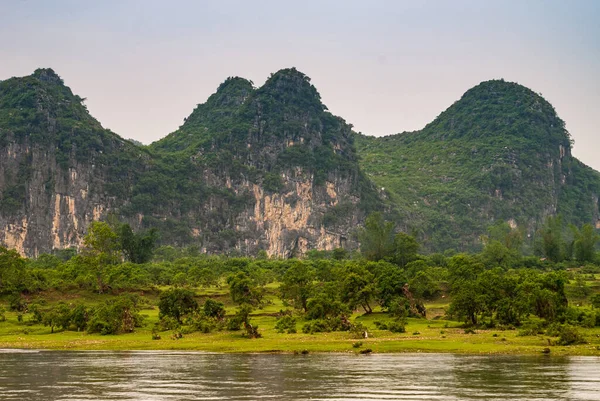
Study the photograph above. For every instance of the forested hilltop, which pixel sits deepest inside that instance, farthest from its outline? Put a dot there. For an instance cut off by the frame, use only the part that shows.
(500, 153)
(271, 169)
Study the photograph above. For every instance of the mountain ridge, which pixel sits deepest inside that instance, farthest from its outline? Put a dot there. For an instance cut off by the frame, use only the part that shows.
(270, 168)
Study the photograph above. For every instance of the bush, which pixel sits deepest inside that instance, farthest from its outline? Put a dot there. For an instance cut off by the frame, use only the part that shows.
(326, 325)
(79, 317)
(36, 314)
(242, 318)
(167, 323)
(358, 330)
(17, 303)
(214, 309)
(234, 323)
(569, 335)
(202, 323)
(286, 324)
(115, 316)
(531, 329)
(396, 327)
(176, 303)
(381, 325)
(251, 330)
(317, 326)
(2, 315)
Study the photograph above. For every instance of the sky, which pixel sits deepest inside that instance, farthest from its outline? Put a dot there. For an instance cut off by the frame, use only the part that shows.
(384, 66)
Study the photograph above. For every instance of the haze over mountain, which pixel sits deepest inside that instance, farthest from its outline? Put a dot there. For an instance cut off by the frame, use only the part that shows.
(270, 168)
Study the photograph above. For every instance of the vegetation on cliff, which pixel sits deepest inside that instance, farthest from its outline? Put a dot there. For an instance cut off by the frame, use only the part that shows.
(271, 168)
(500, 153)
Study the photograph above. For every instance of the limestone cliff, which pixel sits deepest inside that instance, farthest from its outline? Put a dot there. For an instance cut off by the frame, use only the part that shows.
(250, 169)
(278, 172)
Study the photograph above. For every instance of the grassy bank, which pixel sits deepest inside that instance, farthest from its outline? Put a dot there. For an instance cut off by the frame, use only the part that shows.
(422, 335)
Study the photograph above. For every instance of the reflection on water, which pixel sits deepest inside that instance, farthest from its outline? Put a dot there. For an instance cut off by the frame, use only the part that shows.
(199, 376)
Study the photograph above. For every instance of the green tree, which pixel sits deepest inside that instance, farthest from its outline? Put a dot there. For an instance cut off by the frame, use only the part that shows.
(552, 244)
(101, 249)
(466, 303)
(137, 247)
(117, 315)
(297, 284)
(357, 287)
(244, 290)
(595, 301)
(214, 309)
(389, 281)
(405, 249)
(13, 274)
(585, 241)
(58, 316)
(467, 298)
(511, 238)
(176, 303)
(495, 253)
(377, 238)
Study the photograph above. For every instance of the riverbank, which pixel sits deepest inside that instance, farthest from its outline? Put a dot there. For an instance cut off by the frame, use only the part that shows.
(421, 335)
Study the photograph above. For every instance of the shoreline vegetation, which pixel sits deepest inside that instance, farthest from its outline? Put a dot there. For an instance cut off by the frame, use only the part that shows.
(422, 335)
(120, 292)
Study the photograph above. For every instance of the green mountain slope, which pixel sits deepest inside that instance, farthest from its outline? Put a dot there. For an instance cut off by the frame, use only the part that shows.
(499, 153)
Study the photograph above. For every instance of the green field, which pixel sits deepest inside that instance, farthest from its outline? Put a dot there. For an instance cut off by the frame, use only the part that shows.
(422, 335)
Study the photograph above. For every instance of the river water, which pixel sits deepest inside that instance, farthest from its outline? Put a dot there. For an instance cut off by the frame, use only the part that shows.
(48, 375)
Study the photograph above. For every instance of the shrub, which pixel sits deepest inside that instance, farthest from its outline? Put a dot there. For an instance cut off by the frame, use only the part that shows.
(202, 323)
(286, 324)
(36, 314)
(167, 323)
(17, 303)
(396, 327)
(326, 325)
(176, 303)
(214, 309)
(115, 316)
(569, 335)
(2, 315)
(531, 329)
(358, 330)
(317, 326)
(251, 330)
(381, 325)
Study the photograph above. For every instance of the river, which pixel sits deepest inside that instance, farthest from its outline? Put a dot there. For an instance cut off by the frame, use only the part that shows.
(139, 375)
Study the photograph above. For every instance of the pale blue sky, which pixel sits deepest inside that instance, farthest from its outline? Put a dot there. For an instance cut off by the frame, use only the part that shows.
(384, 66)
